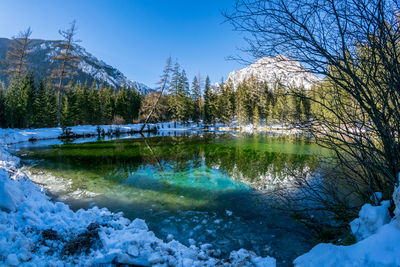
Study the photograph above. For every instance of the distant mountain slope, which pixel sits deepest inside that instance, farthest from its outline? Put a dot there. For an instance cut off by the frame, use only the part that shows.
(272, 70)
(91, 68)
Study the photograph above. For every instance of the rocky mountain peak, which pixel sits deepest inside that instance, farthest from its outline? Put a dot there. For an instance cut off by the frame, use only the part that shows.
(275, 70)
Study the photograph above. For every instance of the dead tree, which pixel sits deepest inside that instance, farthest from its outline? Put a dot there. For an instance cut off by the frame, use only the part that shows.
(67, 62)
(163, 84)
(16, 55)
(354, 46)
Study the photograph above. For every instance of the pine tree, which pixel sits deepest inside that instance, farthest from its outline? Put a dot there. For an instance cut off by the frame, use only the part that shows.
(121, 104)
(17, 54)
(196, 99)
(134, 101)
(28, 97)
(66, 113)
(51, 107)
(67, 63)
(155, 105)
(225, 105)
(106, 106)
(177, 98)
(39, 105)
(256, 117)
(208, 99)
(93, 105)
(241, 104)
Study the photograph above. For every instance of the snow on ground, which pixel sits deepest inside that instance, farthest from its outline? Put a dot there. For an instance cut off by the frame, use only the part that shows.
(35, 230)
(11, 136)
(378, 240)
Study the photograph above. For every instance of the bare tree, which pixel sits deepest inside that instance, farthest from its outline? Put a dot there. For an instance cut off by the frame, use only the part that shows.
(16, 55)
(163, 84)
(354, 45)
(67, 62)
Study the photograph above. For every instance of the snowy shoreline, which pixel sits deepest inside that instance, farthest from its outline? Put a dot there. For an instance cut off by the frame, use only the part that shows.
(35, 230)
(12, 136)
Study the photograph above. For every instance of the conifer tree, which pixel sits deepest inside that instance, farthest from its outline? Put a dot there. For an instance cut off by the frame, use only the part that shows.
(51, 107)
(39, 105)
(67, 63)
(256, 117)
(225, 105)
(93, 105)
(184, 98)
(210, 103)
(16, 55)
(177, 98)
(134, 101)
(121, 103)
(196, 99)
(157, 96)
(106, 105)
(241, 104)
(28, 92)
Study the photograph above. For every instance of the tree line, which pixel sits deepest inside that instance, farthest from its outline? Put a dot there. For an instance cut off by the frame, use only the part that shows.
(252, 101)
(28, 103)
(31, 103)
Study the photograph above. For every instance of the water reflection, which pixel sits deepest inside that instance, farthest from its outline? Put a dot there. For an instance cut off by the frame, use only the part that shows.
(165, 169)
(165, 179)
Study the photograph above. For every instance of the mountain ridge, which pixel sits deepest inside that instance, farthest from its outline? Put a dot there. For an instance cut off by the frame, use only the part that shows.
(90, 67)
(275, 70)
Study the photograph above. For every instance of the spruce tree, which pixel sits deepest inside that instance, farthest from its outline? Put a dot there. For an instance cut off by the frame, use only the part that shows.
(241, 107)
(28, 97)
(208, 110)
(39, 105)
(184, 98)
(177, 99)
(93, 105)
(121, 104)
(225, 105)
(51, 107)
(196, 99)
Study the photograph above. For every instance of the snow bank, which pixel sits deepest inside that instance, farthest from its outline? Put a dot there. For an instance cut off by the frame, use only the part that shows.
(35, 230)
(378, 245)
(380, 249)
(12, 136)
(370, 219)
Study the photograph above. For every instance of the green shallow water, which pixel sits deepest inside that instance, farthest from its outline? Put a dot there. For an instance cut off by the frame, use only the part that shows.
(180, 183)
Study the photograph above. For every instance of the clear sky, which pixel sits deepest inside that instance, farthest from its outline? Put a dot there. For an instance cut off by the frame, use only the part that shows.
(136, 36)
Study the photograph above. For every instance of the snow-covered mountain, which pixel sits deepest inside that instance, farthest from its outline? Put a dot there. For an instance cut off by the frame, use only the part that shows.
(90, 67)
(273, 70)
(142, 88)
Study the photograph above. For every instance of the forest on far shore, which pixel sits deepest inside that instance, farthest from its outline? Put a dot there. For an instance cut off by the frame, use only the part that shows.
(28, 103)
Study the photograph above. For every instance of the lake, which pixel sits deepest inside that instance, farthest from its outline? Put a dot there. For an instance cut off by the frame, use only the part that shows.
(201, 188)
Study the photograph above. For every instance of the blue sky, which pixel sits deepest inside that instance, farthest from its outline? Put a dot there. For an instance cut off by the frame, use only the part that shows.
(136, 36)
